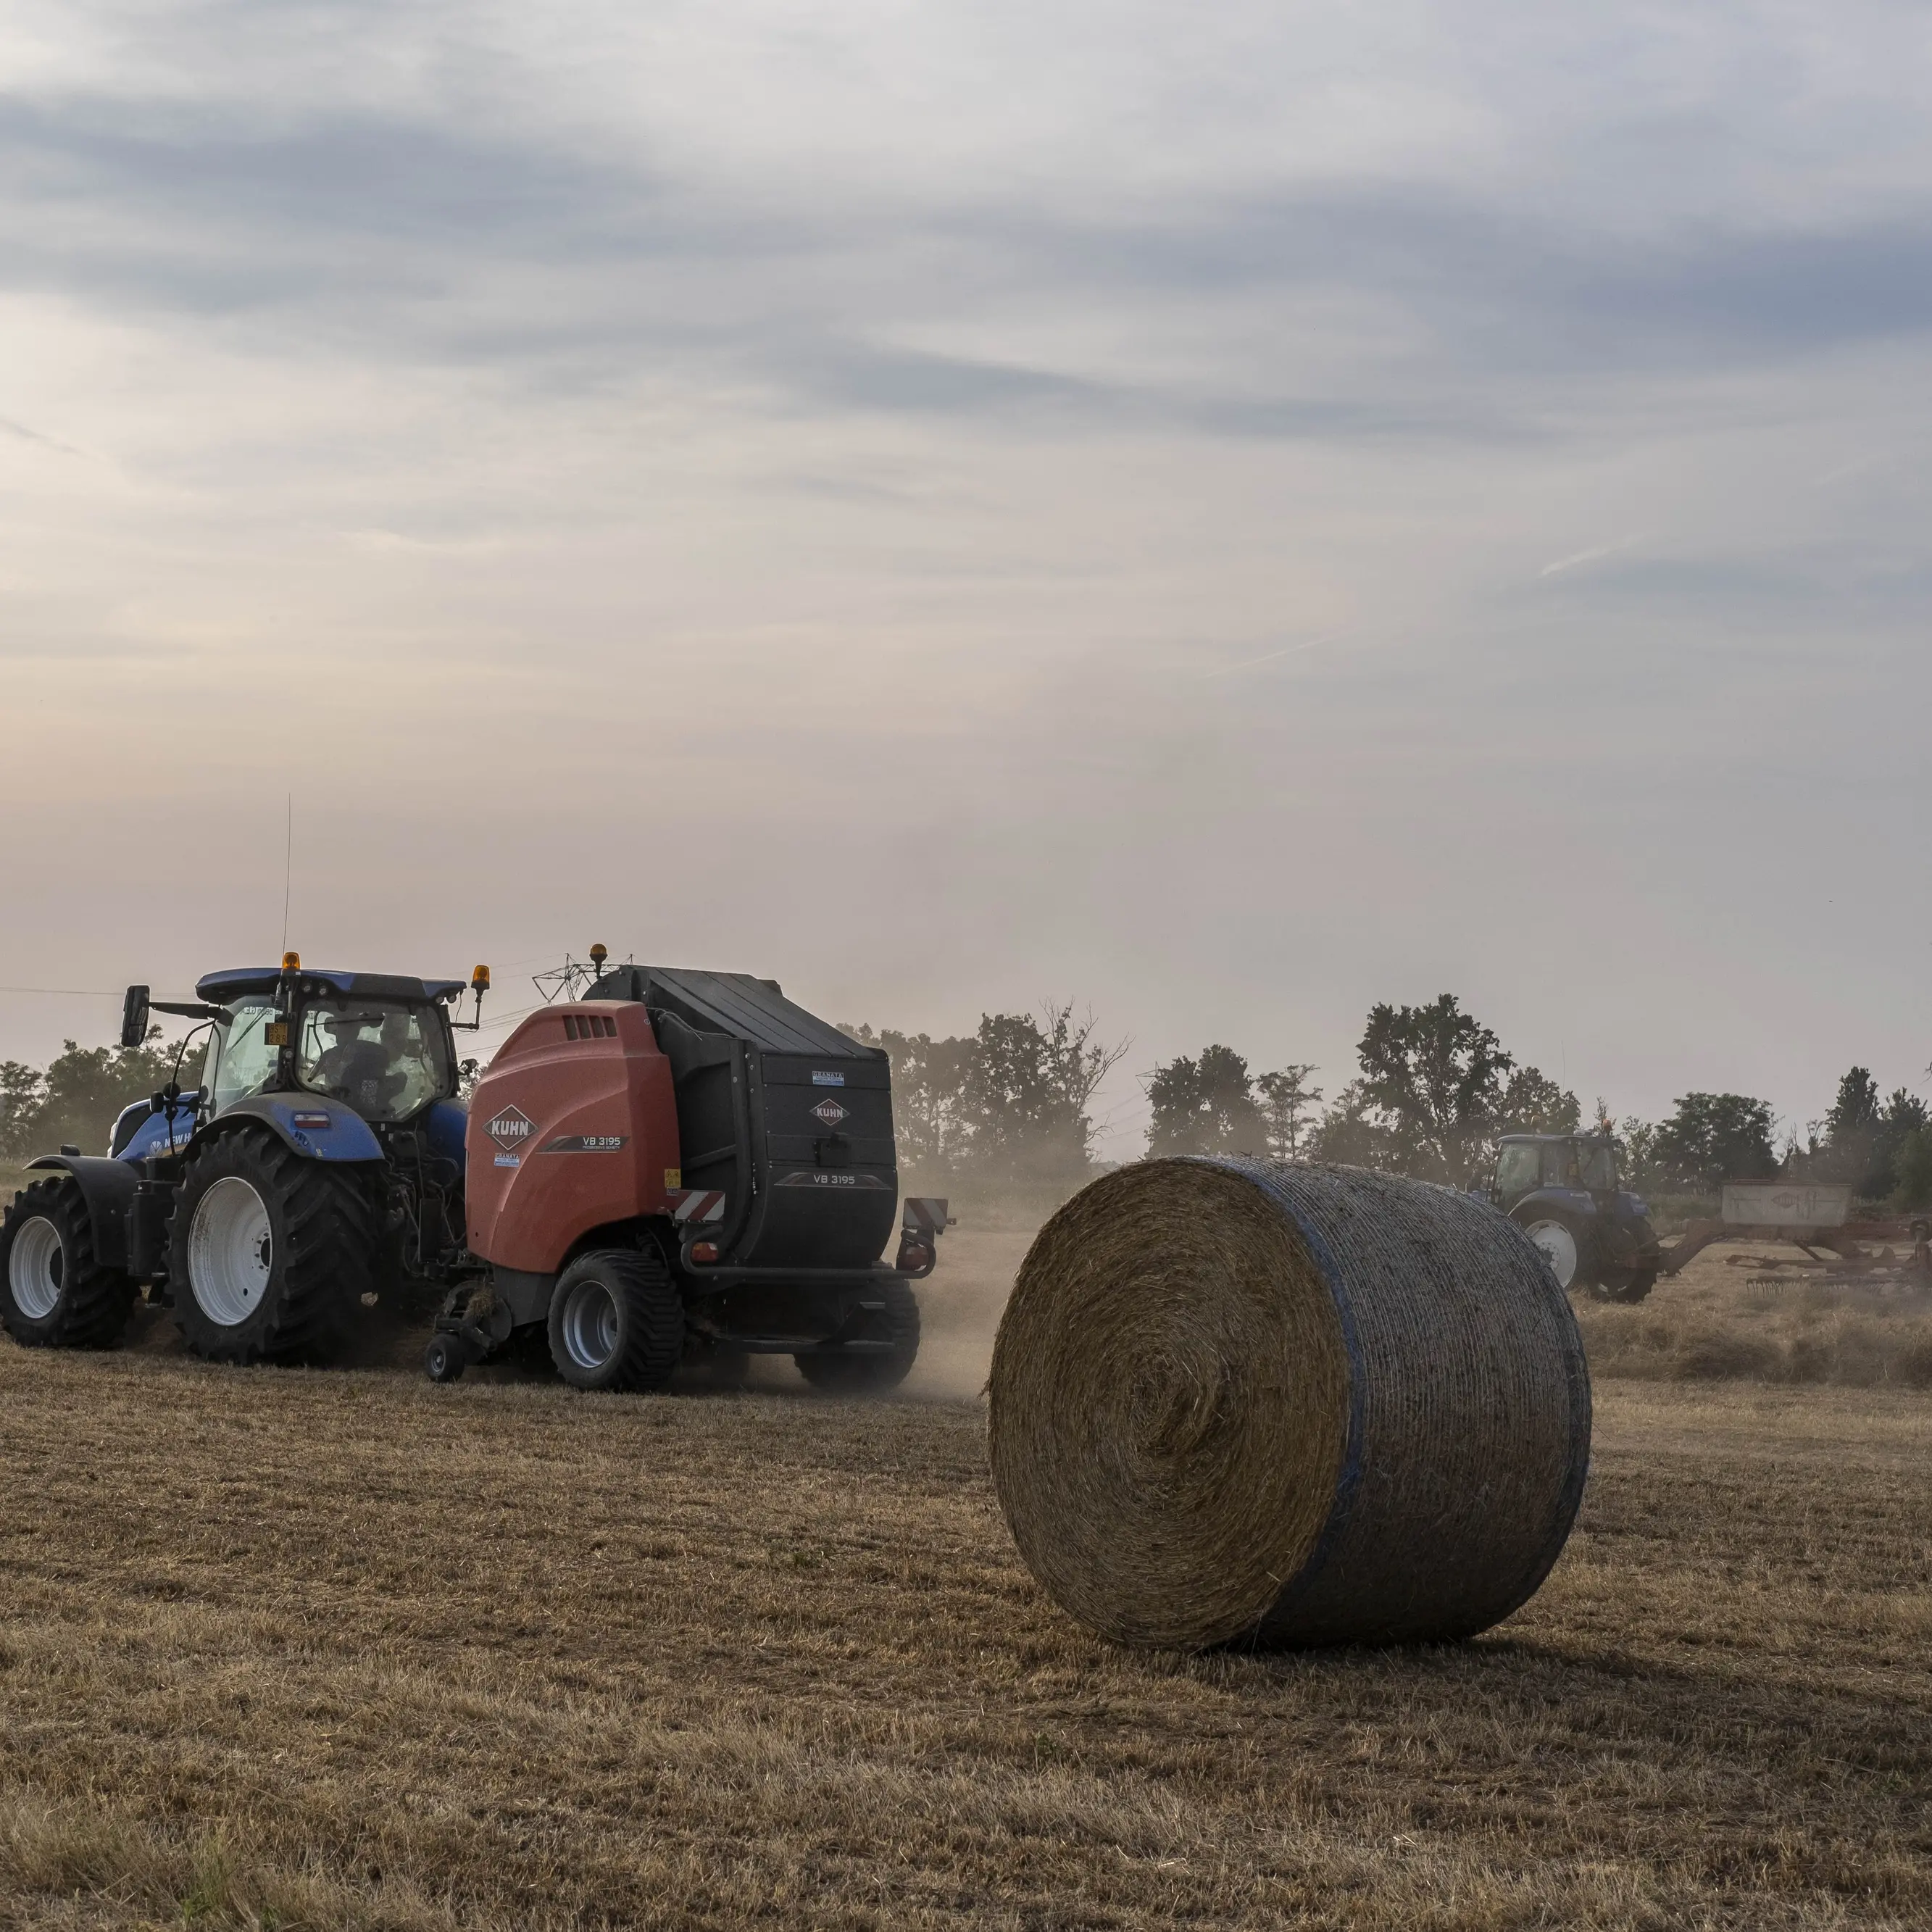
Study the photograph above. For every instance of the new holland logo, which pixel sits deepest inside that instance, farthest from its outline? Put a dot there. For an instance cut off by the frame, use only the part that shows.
(511, 1129)
(829, 1111)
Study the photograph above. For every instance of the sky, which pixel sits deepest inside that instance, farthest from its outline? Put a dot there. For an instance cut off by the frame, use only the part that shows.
(1224, 515)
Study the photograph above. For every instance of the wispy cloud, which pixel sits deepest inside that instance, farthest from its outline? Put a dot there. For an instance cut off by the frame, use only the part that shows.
(1591, 555)
(1272, 657)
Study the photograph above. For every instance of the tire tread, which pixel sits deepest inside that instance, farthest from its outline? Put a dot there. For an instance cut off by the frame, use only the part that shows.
(328, 1243)
(95, 1301)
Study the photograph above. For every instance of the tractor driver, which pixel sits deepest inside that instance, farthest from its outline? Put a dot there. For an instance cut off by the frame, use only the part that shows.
(370, 1075)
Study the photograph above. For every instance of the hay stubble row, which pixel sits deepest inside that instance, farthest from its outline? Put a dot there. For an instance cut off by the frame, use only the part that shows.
(371, 1653)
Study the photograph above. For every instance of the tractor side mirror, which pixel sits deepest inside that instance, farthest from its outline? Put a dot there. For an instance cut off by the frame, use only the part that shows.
(134, 1017)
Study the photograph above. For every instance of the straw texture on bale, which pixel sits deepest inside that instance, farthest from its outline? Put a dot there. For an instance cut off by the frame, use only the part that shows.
(1238, 1403)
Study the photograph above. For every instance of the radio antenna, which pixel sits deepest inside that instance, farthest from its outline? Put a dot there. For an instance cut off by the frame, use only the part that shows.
(288, 869)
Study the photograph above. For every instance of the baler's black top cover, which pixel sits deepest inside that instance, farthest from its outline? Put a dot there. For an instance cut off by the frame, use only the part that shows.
(790, 1118)
(750, 1009)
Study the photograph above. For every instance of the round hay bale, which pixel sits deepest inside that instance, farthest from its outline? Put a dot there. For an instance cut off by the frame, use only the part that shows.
(1235, 1402)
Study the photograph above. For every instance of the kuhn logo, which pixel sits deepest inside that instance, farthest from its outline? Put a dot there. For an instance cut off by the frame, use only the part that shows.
(511, 1129)
(829, 1111)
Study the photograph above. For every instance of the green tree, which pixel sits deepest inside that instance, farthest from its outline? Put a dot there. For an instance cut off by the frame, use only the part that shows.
(1028, 1084)
(1351, 1132)
(1435, 1077)
(1912, 1168)
(1639, 1141)
(1711, 1138)
(1287, 1105)
(1013, 1100)
(1864, 1134)
(73, 1101)
(1533, 1103)
(1204, 1106)
(929, 1114)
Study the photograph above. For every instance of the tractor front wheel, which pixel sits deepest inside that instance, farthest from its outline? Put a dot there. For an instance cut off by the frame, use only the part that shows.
(268, 1253)
(53, 1293)
(842, 1371)
(1560, 1243)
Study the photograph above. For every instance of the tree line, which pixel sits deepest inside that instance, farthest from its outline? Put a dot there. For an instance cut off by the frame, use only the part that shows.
(72, 1102)
(1433, 1091)
(1436, 1089)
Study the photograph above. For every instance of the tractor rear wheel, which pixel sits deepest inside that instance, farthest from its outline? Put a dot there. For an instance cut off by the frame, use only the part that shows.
(1560, 1243)
(616, 1321)
(268, 1254)
(871, 1371)
(53, 1293)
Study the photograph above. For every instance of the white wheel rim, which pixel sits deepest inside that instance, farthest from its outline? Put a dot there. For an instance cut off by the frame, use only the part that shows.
(1559, 1248)
(590, 1325)
(230, 1252)
(36, 1266)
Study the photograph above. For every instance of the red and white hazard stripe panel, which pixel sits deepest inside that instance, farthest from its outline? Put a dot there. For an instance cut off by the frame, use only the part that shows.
(697, 1204)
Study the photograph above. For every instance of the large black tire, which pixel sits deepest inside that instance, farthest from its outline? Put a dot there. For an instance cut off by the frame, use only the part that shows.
(616, 1321)
(268, 1254)
(871, 1371)
(1624, 1284)
(53, 1293)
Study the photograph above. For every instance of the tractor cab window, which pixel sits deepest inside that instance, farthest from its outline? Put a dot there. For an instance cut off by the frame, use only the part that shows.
(1599, 1167)
(240, 1060)
(1561, 1166)
(1517, 1169)
(386, 1061)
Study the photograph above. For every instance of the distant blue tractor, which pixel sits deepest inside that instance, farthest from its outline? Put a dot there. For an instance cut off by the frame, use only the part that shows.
(1565, 1192)
(319, 1164)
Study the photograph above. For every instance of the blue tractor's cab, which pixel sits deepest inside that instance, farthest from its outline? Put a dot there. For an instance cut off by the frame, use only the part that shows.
(318, 1166)
(1565, 1192)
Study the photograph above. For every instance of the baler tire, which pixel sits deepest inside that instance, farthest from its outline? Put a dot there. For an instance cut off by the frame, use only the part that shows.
(89, 1304)
(320, 1241)
(445, 1358)
(616, 1321)
(839, 1373)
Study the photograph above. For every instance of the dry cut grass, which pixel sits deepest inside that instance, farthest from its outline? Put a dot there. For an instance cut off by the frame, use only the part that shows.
(1756, 1312)
(344, 1650)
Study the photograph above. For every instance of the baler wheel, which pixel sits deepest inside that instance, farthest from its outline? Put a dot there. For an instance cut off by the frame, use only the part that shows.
(53, 1293)
(872, 1372)
(269, 1254)
(616, 1321)
(445, 1358)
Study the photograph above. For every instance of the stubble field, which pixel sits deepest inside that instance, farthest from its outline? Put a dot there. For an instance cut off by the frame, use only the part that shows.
(343, 1649)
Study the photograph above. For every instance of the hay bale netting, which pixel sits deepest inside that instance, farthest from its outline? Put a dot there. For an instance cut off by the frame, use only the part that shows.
(1236, 1402)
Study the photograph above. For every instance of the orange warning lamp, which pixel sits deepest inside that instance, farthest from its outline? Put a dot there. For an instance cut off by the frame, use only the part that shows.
(479, 980)
(599, 954)
(291, 962)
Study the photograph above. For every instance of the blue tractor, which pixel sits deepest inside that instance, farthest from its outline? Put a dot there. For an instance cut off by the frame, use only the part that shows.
(1565, 1193)
(317, 1167)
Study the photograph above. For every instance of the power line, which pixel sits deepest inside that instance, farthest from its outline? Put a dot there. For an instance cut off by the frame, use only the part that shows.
(65, 992)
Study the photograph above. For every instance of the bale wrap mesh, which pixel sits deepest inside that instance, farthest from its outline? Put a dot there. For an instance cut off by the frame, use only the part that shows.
(1233, 1402)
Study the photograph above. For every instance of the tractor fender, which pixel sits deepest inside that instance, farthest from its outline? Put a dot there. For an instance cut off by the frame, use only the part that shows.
(316, 1128)
(1558, 1203)
(106, 1186)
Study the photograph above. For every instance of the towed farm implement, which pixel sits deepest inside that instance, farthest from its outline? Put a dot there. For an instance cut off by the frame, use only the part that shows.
(678, 1166)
